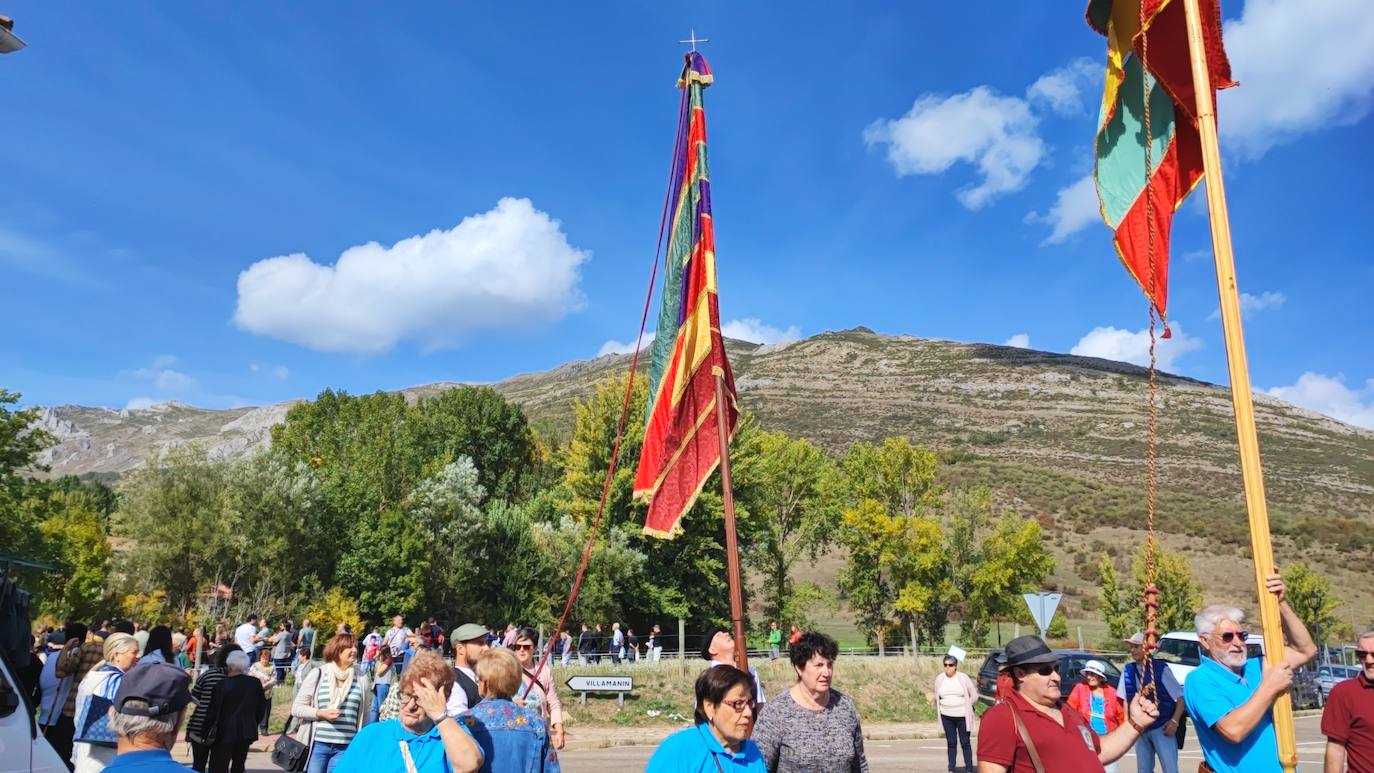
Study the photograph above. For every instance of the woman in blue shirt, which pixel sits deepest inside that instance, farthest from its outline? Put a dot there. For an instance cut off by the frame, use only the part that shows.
(423, 738)
(719, 743)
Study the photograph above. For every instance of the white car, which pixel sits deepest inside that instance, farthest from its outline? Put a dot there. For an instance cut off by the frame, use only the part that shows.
(24, 749)
(1330, 675)
(1180, 649)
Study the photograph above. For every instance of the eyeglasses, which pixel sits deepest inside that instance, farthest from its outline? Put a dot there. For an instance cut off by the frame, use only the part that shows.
(406, 697)
(1362, 654)
(529, 647)
(1231, 636)
(951, 665)
(1043, 669)
(739, 705)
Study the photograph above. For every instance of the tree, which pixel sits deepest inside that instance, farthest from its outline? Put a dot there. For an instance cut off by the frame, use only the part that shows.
(480, 424)
(1309, 594)
(20, 446)
(865, 531)
(898, 475)
(331, 609)
(1118, 612)
(76, 541)
(1180, 597)
(1014, 560)
(790, 490)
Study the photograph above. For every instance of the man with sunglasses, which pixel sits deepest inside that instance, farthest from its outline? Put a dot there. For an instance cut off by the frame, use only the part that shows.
(1229, 696)
(1348, 722)
(1035, 731)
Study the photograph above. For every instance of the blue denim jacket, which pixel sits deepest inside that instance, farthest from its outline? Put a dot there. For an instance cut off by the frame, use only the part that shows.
(514, 739)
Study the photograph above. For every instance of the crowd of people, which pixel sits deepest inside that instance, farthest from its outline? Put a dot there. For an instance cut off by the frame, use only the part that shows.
(113, 696)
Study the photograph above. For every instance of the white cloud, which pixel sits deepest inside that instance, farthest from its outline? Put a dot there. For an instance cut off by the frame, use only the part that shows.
(1020, 341)
(165, 379)
(510, 267)
(1075, 208)
(141, 404)
(1302, 67)
(625, 347)
(1249, 304)
(1063, 89)
(1111, 343)
(757, 332)
(1332, 397)
(995, 133)
(278, 372)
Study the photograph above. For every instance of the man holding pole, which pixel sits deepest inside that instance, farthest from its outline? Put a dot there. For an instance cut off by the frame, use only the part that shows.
(1230, 696)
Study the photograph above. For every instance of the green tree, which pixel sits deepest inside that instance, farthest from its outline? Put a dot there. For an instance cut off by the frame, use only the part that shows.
(480, 424)
(1180, 597)
(1119, 613)
(386, 568)
(897, 474)
(77, 542)
(1310, 596)
(866, 531)
(20, 446)
(1014, 561)
(790, 490)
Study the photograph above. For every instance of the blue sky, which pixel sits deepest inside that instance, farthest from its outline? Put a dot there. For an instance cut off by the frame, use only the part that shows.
(180, 182)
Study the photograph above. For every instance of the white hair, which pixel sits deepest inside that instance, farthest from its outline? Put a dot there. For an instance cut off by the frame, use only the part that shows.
(236, 662)
(1207, 620)
(1368, 633)
(130, 725)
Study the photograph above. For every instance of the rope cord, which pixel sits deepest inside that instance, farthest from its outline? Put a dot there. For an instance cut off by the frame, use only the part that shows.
(1151, 592)
(624, 406)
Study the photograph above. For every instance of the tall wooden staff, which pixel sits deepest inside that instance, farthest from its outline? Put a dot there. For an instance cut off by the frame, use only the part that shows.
(1248, 440)
(731, 541)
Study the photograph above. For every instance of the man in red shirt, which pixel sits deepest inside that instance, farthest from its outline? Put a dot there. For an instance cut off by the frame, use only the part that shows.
(1348, 722)
(1034, 730)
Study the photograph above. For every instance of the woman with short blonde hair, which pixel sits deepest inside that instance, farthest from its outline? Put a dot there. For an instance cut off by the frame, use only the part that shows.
(513, 737)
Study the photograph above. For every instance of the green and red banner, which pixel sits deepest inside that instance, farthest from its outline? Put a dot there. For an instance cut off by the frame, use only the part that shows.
(681, 436)
(1149, 39)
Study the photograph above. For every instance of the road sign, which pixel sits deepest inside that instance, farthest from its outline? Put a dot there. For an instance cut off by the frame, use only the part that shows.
(1042, 606)
(600, 683)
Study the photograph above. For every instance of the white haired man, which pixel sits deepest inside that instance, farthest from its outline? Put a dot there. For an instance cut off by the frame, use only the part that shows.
(148, 709)
(1229, 696)
(1348, 722)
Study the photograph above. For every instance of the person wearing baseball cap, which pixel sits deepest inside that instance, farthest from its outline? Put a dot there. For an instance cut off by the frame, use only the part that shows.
(146, 713)
(1162, 738)
(1035, 729)
(469, 642)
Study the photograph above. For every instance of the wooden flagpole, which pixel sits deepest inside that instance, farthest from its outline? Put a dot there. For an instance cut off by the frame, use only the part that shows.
(727, 493)
(1260, 546)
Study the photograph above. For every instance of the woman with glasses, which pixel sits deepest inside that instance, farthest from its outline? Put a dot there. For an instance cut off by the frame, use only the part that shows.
(514, 738)
(423, 738)
(954, 700)
(724, 723)
(540, 694)
(811, 727)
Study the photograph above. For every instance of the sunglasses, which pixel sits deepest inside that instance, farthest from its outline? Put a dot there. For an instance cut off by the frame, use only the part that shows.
(1231, 636)
(738, 705)
(1362, 654)
(528, 647)
(1043, 669)
(951, 665)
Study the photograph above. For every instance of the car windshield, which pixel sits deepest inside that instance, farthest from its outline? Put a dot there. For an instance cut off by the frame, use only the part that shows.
(1181, 651)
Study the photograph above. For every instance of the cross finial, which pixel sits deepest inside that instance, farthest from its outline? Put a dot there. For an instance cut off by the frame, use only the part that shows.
(694, 40)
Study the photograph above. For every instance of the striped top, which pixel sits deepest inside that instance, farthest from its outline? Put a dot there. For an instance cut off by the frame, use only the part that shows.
(341, 730)
(205, 687)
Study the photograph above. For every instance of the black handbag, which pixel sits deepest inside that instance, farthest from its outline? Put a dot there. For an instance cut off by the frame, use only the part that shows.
(289, 754)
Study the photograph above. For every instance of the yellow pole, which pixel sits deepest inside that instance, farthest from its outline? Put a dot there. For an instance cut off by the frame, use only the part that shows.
(1260, 547)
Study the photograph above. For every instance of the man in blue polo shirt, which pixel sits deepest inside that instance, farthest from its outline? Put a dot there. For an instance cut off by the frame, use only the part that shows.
(1230, 697)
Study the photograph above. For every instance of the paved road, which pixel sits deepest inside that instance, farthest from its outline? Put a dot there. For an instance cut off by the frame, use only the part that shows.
(927, 755)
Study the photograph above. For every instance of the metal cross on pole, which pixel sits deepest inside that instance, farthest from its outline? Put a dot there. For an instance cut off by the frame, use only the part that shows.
(694, 40)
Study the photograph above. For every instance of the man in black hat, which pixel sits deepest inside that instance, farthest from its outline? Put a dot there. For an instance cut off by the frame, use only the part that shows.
(148, 709)
(1036, 730)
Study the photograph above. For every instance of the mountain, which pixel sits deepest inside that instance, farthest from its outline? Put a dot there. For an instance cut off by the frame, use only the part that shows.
(1059, 437)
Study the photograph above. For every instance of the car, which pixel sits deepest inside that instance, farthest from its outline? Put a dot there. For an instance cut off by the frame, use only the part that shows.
(1071, 664)
(25, 749)
(1306, 692)
(1180, 649)
(1330, 674)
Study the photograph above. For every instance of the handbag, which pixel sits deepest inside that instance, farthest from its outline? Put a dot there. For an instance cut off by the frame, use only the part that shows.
(93, 725)
(289, 754)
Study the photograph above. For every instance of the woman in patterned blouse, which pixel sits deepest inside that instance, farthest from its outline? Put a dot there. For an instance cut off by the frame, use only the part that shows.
(811, 727)
(513, 738)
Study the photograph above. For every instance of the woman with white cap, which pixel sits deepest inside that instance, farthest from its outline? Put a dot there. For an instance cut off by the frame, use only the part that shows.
(1097, 701)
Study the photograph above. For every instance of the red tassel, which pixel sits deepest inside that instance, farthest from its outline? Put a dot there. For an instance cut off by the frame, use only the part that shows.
(1167, 332)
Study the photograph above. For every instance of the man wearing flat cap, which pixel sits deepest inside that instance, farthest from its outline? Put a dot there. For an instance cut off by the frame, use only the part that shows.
(469, 642)
(147, 711)
(1036, 731)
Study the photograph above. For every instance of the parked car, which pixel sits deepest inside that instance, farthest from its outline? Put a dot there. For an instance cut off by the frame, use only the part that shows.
(1306, 692)
(1071, 664)
(25, 749)
(1330, 674)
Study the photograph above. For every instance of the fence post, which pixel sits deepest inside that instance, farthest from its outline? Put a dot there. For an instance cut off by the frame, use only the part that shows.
(681, 646)
(880, 641)
(1080, 638)
(1015, 632)
(914, 648)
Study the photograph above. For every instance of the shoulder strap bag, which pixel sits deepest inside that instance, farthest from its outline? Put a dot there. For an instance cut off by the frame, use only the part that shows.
(1026, 739)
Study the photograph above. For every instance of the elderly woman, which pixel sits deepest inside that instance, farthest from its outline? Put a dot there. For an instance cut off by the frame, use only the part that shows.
(724, 722)
(423, 738)
(237, 706)
(811, 727)
(513, 738)
(198, 731)
(265, 672)
(539, 693)
(954, 701)
(335, 702)
(1097, 702)
(94, 745)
